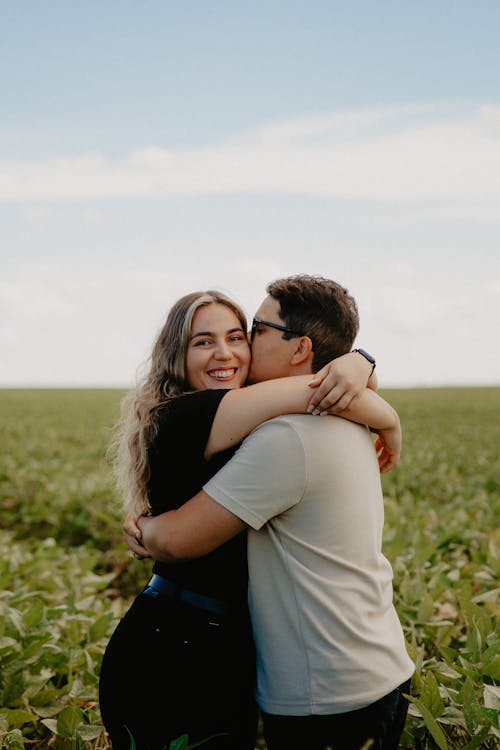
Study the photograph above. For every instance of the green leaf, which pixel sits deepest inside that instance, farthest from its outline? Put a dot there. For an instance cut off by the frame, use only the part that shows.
(426, 608)
(430, 696)
(485, 716)
(99, 629)
(13, 687)
(13, 740)
(68, 720)
(180, 743)
(132, 741)
(90, 731)
(431, 724)
(34, 615)
(468, 697)
(16, 717)
(34, 645)
(477, 740)
(493, 668)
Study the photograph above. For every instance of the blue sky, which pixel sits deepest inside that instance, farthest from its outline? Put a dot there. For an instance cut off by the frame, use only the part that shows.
(151, 148)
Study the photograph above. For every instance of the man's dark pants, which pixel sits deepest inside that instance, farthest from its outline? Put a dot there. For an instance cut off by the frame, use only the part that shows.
(381, 722)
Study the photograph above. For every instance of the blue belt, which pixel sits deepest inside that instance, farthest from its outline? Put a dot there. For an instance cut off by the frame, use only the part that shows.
(159, 586)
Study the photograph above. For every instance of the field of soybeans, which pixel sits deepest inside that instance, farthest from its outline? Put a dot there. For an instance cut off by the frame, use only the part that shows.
(66, 575)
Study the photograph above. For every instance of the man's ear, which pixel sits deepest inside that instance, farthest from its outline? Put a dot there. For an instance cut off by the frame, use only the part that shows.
(303, 352)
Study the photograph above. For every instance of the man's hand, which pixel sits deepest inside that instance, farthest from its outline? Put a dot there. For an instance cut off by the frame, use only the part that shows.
(339, 383)
(388, 447)
(196, 528)
(133, 537)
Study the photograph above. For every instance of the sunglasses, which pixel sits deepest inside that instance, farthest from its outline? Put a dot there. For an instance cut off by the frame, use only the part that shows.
(257, 321)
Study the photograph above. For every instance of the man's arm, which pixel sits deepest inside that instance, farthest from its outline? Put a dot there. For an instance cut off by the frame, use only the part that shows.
(195, 529)
(263, 479)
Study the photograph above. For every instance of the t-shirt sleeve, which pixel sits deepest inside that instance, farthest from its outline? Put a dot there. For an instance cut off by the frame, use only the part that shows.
(266, 477)
(185, 423)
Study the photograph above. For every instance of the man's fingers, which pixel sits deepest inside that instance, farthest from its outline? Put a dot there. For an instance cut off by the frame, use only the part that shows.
(131, 527)
(137, 550)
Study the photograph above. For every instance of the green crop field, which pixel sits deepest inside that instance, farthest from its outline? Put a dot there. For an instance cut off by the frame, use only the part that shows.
(66, 576)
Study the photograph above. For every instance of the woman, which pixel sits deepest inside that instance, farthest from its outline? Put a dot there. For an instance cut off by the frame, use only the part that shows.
(181, 660)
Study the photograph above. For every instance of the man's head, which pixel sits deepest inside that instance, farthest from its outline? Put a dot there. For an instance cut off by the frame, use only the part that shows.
(317, 321)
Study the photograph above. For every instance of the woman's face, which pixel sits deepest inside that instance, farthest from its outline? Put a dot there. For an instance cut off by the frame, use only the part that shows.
(218, 354)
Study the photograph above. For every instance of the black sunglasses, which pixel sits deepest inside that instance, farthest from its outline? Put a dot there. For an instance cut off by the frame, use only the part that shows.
(257, 321)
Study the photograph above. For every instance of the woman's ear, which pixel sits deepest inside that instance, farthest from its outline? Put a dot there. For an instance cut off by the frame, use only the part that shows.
(303, 351)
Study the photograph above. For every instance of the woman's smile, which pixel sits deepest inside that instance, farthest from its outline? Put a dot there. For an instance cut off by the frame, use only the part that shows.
(223, 373)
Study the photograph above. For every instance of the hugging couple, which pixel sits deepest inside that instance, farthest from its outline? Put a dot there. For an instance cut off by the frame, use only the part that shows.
(270, 594)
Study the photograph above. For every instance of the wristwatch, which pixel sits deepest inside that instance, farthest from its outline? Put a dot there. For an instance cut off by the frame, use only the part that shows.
(367, 356)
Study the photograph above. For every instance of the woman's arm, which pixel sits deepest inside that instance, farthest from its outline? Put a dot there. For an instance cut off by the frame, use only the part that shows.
(339, 383)
(241, 410)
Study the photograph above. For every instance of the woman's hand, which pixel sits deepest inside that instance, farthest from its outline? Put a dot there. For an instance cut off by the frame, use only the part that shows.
(388, 446)
(133, 537)
(339, 383)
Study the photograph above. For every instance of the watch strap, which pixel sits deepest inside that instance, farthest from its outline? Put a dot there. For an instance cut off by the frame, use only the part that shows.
(368, 357)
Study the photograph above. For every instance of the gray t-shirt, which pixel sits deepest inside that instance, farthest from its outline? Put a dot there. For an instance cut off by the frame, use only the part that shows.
(320, 590)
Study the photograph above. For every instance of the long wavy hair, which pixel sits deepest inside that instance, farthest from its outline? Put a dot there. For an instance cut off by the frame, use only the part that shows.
(165, 378)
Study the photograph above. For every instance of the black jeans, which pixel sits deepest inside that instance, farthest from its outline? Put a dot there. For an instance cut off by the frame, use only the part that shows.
(171, 669)
(382, 722)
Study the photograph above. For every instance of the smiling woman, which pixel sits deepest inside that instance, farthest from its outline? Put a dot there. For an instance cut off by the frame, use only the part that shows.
(190, 622)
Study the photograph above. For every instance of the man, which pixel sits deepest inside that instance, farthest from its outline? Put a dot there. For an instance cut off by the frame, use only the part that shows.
(331, 659)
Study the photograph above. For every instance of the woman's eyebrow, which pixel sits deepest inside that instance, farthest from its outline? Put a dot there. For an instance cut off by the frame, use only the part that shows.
(202, 333)
(211, 333)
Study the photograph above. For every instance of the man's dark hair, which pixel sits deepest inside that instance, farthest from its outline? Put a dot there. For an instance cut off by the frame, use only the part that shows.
(319, 308)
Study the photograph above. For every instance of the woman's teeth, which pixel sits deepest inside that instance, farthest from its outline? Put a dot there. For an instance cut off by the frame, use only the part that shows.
(222, 374)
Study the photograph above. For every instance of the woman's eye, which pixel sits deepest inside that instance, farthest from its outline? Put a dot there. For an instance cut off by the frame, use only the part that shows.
(203, 342)
(238, 337)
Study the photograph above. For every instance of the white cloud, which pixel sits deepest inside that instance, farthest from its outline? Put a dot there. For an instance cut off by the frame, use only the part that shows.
(151, 156)
(419, 152)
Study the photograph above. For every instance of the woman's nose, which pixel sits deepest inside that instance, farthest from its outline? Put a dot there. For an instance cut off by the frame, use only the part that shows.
(222, 350)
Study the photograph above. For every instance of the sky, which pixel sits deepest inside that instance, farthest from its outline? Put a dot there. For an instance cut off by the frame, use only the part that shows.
(149, 149)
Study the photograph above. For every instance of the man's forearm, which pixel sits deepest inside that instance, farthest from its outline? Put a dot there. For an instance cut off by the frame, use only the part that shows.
(195, 529)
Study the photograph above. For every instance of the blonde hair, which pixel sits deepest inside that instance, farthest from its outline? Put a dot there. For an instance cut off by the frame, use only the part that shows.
(165, 379)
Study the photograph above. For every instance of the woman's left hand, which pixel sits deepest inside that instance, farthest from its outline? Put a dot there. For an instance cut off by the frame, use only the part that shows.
(339, 383)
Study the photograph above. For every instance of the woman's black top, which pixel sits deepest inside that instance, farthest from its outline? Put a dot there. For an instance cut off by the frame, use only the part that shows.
(178, 471)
